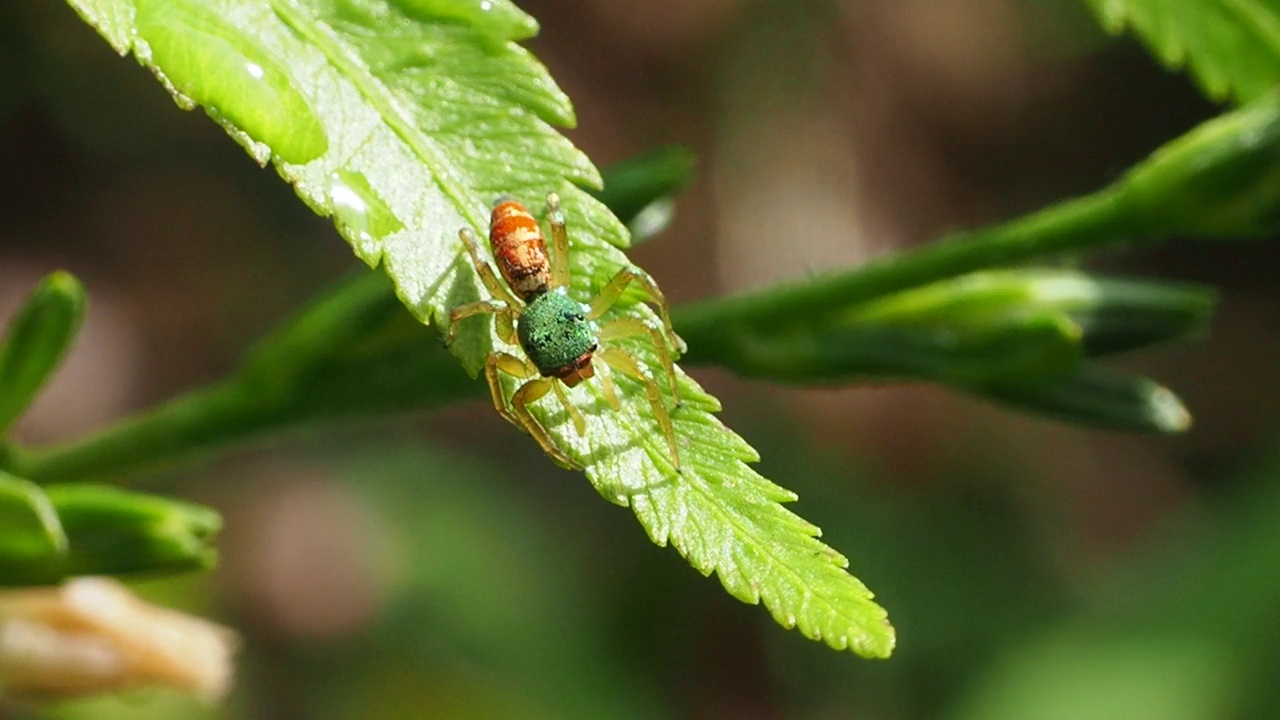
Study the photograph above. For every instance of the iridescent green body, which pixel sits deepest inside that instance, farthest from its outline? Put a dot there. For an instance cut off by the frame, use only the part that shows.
(556, 334)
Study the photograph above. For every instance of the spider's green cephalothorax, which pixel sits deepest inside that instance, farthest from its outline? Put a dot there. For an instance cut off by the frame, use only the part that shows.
(556, 334)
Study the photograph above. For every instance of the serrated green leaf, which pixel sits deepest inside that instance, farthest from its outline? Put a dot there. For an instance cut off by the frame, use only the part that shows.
(404, 121)
(1232, 47)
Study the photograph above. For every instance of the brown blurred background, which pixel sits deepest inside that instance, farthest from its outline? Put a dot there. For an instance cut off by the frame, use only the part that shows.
(827, 133)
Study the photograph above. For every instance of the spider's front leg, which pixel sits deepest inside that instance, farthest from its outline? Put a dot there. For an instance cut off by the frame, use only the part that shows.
(505, 307)
(485, 271)
(530, 392)
(613, 290)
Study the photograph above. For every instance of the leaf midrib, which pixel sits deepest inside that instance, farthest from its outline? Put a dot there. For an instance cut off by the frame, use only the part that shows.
(444, 174)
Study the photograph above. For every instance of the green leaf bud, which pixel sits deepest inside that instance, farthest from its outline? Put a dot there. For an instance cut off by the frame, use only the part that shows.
(1014, 326)
(1113, 314)
(1038, 348)
(117, 532)
(36, 341)
(1103, 399)
(1221, 179)
(32, 542)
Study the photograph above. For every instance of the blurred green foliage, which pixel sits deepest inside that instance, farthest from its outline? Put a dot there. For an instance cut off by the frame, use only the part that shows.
(50, 534)
(485, 615)
(69, 530)
(1229, 48)
(506, 596)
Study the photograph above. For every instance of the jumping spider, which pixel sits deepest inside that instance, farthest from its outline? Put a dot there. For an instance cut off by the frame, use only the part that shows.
(558, 334)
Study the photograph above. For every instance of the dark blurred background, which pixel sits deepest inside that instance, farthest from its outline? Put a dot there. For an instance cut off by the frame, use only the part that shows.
(439, 567)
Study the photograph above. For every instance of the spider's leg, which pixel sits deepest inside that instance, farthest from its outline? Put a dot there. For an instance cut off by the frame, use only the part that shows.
(631, 327)
(606, 382)
(506, 327)
(625, 363)
(610, 293)
(511, 365)
(485, 271)
(531, 392)
(579, 422)
(560, 241)
(462, 312)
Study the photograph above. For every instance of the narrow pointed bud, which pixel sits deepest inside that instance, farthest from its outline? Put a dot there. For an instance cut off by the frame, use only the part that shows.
(1103, 399)
(1113, 314)
(1039, 348)
(32, 543)
(1006, 326)
(1021, 337)
(117, 532)
(36, 340)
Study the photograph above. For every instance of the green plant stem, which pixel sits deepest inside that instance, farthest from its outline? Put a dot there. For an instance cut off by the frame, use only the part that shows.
(240, 409)
(1076, 225)
(249, 406)
(194, 422)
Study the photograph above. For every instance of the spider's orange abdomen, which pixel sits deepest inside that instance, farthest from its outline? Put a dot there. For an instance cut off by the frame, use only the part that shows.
(519, 249)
